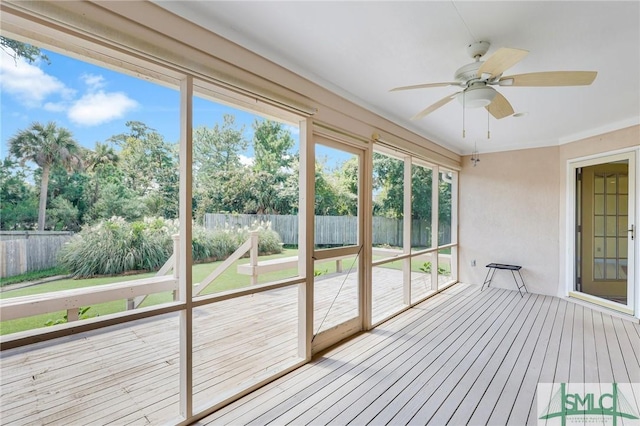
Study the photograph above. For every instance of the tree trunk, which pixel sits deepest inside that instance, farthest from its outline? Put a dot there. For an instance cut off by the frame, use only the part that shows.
(44, 187)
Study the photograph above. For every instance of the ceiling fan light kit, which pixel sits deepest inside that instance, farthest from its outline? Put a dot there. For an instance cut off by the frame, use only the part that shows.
(477, 78)
(477, 96)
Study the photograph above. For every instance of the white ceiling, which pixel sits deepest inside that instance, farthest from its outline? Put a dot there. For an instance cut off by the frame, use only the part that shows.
(362, 49)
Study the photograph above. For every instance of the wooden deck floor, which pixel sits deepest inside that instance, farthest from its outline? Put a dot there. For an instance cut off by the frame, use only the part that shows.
(129, 373)
(461, 357)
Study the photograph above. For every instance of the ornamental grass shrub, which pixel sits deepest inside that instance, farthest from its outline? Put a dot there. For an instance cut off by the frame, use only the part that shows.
(115, 246)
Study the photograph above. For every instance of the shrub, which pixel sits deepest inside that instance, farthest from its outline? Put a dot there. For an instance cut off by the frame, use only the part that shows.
(114, 246)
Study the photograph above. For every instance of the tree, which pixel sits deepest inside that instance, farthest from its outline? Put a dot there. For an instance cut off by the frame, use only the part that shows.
(272, 143)
(47, 146)
(217, 167)
(272, 168)
(388, 182)
(17, 49)
(97, 161)
(218, 148)
(66, 189)
(18, 202)
(150, 167)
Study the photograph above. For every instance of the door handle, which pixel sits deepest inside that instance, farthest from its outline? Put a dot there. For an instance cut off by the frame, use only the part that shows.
(632, 232)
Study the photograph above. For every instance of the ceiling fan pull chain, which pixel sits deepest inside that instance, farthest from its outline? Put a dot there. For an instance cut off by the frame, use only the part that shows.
(488, 131)
(463, 108)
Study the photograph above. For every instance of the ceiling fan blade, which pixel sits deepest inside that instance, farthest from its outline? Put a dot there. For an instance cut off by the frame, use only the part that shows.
(550, 78)
(501, 61)
(500, 107)
(434, 107)
(425, 86)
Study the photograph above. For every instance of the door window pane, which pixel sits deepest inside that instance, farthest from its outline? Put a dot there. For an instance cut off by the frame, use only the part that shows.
(599, 184)
(335, 292)
(611, 225)
(336, 202)
(623, 247)
(599, 204)
(611, 203)
(623, 184)
(622, 226)
(623, 204)
(599, 226)
(611, 183)
(599, 246)
(611, 247)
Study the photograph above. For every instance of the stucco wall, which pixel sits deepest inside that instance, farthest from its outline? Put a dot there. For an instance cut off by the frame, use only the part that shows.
(509, 214)
(513, 210)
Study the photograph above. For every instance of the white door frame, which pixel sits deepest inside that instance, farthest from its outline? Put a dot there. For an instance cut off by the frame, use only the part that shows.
(633, 271)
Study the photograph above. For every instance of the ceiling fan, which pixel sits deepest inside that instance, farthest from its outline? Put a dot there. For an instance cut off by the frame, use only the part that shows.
(477, 78)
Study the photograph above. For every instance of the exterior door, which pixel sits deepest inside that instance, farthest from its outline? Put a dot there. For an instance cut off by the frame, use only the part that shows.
(605, 234)
(338, 236)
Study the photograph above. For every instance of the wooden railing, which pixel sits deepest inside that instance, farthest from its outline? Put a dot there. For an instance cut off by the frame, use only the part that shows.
(250, 245)
(136, 291)
(133, 291)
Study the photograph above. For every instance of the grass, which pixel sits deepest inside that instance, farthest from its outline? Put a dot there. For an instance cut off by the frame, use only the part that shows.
(33, 276)
(229, 280)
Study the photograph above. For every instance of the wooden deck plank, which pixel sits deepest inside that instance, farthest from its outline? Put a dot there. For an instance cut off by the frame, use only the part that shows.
(545, 333)
(526, 397)
(620, 373)
(408, 386)
(632, 333)
(576, 368)
(340, 410)
(563, 366)
(240, 412)
(590, 352)
(462, 348)
(527, 366)
(626, 350)
(482, 397)
(304, 399)
(446, 396)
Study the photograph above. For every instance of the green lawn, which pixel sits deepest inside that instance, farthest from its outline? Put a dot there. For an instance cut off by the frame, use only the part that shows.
(229, 280)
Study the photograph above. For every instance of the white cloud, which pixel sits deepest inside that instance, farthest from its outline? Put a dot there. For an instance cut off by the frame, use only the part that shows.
(93, 82)
(100, 107)
(32, 87)
(55, 106)
(246, 161)
(29, 84)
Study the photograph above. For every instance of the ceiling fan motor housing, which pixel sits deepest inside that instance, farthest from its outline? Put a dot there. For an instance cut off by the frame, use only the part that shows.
(468, 72)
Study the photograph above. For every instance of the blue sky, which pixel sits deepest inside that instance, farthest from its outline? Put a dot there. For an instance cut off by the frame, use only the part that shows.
(94, 103)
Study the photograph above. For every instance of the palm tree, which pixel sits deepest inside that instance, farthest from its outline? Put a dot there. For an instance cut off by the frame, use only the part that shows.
(47, 146)
(102, 156)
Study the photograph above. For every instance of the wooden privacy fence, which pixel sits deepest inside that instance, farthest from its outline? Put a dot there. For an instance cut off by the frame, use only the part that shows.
(332, 230)
(24, 251)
